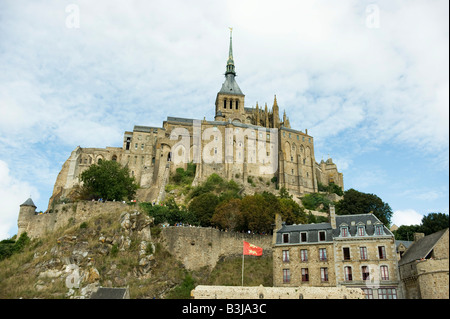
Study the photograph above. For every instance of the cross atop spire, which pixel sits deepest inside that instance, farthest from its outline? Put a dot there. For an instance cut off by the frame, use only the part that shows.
(230, 62)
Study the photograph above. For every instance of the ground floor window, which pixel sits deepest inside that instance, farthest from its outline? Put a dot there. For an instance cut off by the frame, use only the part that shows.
(305, 275)
(324, 274)
(286, 276)
(368, 293)
(387, 293)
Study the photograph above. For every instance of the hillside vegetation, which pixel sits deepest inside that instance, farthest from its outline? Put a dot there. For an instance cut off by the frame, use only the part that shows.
(111, 250)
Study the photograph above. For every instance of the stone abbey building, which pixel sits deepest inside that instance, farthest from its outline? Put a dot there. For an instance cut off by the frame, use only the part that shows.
(240, 142)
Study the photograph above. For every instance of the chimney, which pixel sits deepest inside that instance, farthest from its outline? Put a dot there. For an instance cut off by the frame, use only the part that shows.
(418, 236)
(278, 225)
(332, 217)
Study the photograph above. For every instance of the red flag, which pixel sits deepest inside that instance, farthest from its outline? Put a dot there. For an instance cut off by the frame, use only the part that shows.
(252, 250)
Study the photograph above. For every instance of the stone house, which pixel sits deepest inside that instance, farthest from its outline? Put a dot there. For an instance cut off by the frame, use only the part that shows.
(354, 251)
(424, 267)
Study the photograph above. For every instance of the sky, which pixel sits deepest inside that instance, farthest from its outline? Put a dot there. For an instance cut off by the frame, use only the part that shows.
(368, 79)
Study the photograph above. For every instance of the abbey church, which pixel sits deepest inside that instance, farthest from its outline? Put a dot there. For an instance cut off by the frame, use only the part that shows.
(240, 142)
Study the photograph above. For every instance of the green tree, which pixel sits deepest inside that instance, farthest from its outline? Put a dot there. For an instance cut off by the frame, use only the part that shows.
(291, 212)
(434, 222)
(228, 215)
(406, 232)
(259, 212)
(108, 180)
(203, 207)
(355, 202)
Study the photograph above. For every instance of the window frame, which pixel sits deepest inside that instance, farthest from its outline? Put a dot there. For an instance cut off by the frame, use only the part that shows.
(319, 233)
(286, 276)
(323, 254)
(284, 236)
(363, 253)
(305, 274)
(324, 274)
(344, 255)
(285, 255)
(365, 275)
(301, 237)
(348, 273)
(303, 255)
(382, 252)
(384, 272)
(344, 232)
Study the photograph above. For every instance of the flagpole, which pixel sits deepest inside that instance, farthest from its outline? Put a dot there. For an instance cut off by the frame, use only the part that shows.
(242, 263)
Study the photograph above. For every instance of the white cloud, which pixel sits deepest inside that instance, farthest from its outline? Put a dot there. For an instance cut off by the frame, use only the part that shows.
(13, 192)
(406, 217)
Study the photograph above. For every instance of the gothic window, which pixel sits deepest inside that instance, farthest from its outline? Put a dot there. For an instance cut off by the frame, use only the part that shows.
(231, 104)
(225, 103)
(128, 143)
(237, 104)
(114, 158)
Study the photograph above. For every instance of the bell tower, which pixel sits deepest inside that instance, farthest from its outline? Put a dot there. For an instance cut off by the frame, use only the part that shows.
(230, 99)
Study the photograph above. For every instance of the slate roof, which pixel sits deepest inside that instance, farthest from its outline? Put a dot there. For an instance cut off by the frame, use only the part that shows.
(110, 293)
(421, 248)
(28, 202)
(230, 86)
(351, 221)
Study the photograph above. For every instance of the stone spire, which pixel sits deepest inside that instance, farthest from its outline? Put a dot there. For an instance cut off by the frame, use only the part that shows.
(266, 122)
(230, 62)
(257, 114)
(230, 86)
(276, 117)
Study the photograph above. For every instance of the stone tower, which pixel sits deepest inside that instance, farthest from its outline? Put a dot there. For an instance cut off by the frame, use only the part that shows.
(230, 99)
(26, 212)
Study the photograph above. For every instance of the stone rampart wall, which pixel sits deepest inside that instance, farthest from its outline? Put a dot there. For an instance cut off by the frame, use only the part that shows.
(233, 292)
(198, 246)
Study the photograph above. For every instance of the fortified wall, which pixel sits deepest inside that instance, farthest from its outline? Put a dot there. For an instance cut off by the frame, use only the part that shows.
(37, 225)
(197, 247)
(260, 292)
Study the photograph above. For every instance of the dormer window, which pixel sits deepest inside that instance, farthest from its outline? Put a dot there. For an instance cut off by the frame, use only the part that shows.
(344, 231)
(285, 238)
(379, 230)
(322, 236)
(361, 231)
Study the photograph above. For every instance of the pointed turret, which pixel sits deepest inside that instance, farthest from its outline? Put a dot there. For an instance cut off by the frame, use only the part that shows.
(257, 115)
(276, 117)
(266, 121)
